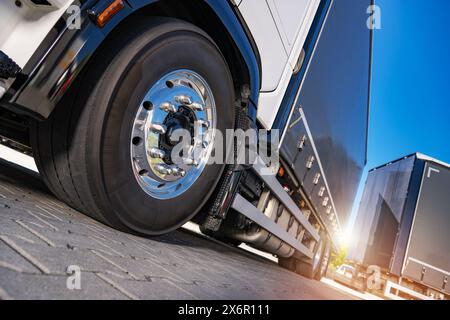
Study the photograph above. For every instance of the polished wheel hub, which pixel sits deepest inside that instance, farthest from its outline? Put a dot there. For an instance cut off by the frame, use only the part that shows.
(181, 101)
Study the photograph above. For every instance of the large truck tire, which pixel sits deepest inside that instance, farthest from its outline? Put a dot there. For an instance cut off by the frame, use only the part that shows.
(303, 267)
(106, 148)
(314, 268)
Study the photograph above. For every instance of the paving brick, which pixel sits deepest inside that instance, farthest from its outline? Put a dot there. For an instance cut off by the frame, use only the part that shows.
(156, 288)
(12, 260)
(56, 260)
(41, 236)
(55, 287)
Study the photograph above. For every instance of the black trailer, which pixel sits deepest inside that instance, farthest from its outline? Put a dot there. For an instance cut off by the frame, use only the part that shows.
(403, 222)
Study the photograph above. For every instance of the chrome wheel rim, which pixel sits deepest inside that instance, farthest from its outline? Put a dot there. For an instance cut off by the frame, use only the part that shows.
(180, 100)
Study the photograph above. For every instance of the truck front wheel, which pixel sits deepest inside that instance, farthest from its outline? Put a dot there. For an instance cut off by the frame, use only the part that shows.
(107, 148)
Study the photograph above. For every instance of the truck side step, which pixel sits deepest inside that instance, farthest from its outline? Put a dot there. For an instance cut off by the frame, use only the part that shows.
(250, 211)
(8, 68)
(273, 184)
(266, 221)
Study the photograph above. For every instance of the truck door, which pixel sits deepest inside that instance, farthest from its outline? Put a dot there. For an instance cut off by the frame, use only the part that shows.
(275, 26)
(279, 28)
(289, 16)
(259, 19)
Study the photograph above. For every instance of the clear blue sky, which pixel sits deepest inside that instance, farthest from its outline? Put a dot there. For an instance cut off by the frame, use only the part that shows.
(410, 107)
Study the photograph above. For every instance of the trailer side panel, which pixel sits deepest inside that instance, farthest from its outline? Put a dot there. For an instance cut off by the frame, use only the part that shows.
(334, 102)
(428, 253)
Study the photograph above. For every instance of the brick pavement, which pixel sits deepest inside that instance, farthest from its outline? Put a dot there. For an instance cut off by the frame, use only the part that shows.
(40, 237)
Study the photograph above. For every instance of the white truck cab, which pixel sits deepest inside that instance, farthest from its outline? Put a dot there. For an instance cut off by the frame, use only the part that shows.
(279, 27)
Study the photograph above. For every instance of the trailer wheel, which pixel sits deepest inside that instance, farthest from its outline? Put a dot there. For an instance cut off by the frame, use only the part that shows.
(107, 148)
(324, 262)
(287, 263)
(303, 267)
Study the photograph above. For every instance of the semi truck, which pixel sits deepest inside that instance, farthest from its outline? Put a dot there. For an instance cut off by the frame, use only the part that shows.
(95, 91)
(402, 228)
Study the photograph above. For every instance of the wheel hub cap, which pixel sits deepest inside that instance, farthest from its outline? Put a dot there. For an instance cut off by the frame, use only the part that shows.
(180, 100)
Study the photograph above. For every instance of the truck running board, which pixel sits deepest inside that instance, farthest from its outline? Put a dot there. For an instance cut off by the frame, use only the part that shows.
(250, 211)
(278, 190)
(247, 209)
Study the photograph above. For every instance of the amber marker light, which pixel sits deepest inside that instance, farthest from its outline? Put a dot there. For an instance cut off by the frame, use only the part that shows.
(103, 18)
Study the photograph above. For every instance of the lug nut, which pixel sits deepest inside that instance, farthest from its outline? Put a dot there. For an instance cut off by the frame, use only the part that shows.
(196, 106)
(158, 128)
(203, 123)
(168, 107)
(178, 172)
(163, 168)
(190, 162)
(184, 100)
(157, 153)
